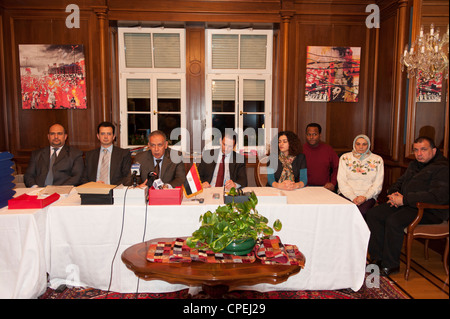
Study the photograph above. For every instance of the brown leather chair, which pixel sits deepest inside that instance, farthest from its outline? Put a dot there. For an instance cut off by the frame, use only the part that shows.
(427, 232)
(261, 172)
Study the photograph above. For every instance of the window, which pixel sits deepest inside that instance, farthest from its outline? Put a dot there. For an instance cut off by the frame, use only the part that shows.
(152, 84)
(239, 86)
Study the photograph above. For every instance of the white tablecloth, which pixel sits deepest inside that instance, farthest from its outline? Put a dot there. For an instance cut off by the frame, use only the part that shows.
(83, 240)
(22, 253)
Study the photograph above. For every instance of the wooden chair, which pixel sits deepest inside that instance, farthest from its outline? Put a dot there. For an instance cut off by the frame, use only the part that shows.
(261, 172)
(427, 232)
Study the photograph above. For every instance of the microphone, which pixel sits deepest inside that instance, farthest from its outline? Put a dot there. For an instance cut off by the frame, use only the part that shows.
(158, 184)
(151, 178)
(135, 170)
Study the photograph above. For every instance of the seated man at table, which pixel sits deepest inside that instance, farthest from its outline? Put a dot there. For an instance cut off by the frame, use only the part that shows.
(224, 167)
(425, 180)
(57, 164)
(158, 160)
(108, 164)
(322, 161)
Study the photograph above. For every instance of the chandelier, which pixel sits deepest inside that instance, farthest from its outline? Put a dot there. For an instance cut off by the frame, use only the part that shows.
(428, 56)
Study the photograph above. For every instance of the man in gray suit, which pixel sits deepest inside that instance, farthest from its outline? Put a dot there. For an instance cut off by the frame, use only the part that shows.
(158, 160)
(58, 164)
(108, 164)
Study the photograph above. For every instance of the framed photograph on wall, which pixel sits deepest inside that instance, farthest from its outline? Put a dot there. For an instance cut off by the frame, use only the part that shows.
(332, 74)
(429, 91)
(52, 76)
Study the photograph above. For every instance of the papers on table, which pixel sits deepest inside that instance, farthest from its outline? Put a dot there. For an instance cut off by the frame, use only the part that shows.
(95, 188)
(51, 189)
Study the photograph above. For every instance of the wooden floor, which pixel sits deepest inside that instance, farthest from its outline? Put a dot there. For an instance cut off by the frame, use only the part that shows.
(427, 278)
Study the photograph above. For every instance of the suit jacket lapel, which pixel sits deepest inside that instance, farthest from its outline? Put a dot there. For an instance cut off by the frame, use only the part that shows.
(46, 158)
(64, 152)
(114, 162)
(164, 165)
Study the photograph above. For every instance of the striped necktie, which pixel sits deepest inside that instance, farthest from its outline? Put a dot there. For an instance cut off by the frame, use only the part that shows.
(104, 167)
(49, 178)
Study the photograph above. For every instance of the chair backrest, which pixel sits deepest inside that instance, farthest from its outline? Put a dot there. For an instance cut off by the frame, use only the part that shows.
(261, 172)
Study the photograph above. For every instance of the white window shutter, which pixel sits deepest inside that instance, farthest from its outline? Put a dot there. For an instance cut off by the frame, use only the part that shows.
(225, 48)
(138, 88)
(169, 89)
(138, 50)
(254, 90)
(223, 90)
(253, 51)
(167, 50)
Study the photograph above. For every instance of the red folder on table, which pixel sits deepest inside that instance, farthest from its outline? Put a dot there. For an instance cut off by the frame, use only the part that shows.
(172, 196)
(25, 201)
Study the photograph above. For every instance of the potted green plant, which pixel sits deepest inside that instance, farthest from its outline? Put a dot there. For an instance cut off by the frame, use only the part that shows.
(232, 228)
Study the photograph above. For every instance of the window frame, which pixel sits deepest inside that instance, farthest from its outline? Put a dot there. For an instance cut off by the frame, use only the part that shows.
(153, 74)
(239, 75)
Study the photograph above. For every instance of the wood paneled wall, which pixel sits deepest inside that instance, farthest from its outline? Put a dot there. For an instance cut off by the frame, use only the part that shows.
(324, 29)
(379, 112)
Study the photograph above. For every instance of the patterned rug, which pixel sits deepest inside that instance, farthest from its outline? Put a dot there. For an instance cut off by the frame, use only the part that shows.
(387, 290)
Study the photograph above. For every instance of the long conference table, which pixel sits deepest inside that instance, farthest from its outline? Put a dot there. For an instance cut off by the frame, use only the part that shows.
(81, 245)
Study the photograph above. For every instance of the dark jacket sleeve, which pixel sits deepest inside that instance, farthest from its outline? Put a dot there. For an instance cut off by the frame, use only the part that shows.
(240, 175)
(179, 176)
(125, 168)
(76, 175)
(30, 175)
(435, 193)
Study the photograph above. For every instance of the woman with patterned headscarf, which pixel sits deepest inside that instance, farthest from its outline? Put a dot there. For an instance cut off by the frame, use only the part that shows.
(360, 174)
(291, 169)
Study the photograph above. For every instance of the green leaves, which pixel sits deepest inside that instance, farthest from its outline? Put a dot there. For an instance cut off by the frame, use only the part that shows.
(277, 225)
(230, 222)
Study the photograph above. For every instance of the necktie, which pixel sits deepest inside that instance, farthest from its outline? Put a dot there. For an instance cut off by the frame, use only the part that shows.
(104, 167)
(220, 173)
(49, 178)
(157, 167)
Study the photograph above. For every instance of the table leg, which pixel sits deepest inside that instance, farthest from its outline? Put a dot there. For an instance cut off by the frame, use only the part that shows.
(216, 291)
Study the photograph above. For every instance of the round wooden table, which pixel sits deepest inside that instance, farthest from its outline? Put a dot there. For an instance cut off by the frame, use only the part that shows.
(214, 278)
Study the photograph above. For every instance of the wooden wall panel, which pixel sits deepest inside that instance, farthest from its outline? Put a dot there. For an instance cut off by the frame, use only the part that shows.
(340, 121)
(383, 121)
(195, 84)
(28, 128)
(425, 118)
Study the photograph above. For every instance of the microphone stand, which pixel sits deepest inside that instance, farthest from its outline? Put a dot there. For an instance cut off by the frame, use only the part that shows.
(150, 179)
(134, 178)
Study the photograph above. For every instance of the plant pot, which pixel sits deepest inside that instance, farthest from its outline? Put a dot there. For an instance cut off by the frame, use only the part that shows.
(240, 247)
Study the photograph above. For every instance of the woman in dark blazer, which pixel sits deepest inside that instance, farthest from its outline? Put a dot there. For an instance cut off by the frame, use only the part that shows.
(291, 169)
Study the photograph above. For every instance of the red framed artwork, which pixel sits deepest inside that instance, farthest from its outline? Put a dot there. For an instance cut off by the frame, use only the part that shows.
(52, 76)
(332, 74)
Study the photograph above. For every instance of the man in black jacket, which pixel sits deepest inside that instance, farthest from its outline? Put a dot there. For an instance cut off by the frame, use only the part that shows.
(233, 172)
(425, 180)
(57, 164)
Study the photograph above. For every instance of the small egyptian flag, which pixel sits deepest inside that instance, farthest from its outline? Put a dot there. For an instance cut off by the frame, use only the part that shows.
(193, 185)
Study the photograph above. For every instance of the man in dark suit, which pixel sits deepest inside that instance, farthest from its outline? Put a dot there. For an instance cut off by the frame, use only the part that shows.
(158, 160)
(233, 173)
(425, 180)
(116, 160)
(66, 162)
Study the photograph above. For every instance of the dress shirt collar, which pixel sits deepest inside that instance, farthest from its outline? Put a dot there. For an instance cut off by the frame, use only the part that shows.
(110, 148)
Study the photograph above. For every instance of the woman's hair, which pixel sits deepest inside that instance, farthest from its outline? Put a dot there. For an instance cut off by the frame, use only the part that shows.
(294, 142)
